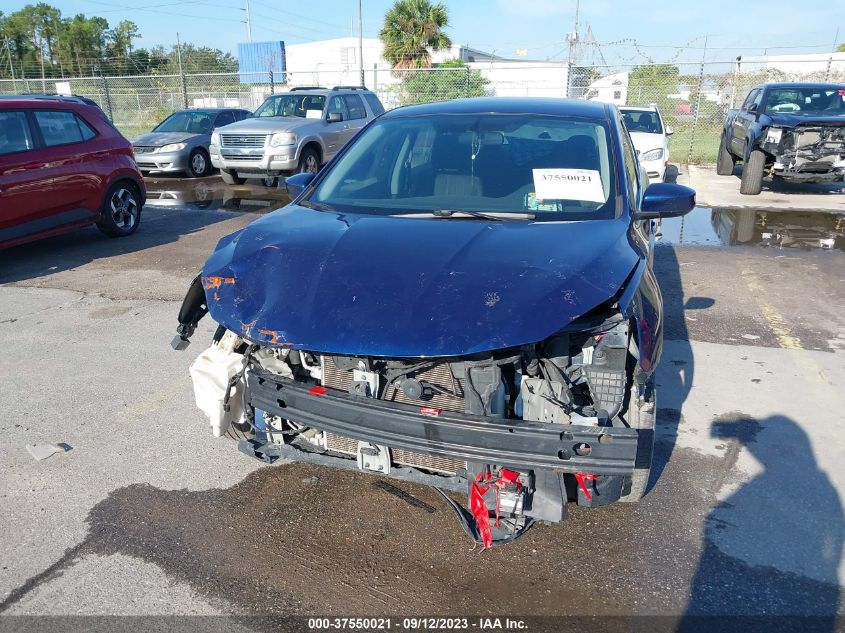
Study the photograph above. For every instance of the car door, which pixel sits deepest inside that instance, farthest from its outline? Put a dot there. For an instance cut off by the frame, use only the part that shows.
(76, 163)
(335, 133)
(743, 120)
(21, 165)
(357, 115)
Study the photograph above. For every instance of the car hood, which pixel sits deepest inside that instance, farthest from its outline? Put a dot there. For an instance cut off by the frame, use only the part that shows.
(791, 120)
(645, 142)
(411, 287)
(267, 125)
(158, 139)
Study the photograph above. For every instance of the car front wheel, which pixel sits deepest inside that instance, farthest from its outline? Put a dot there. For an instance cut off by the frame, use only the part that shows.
(309, 162)
(752, 174)
(121, 211)
(199, 164)
(643, 419)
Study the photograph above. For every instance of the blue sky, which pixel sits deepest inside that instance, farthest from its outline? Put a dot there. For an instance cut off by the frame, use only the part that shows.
(664, 31)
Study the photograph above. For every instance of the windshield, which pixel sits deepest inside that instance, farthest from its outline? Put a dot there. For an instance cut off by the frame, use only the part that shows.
(303, 106)
(195, 122)
(554, 168)
(827, 100)
(639, 121)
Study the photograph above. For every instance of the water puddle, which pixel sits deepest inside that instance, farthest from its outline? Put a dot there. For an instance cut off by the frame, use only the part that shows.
(214, 195)
(808, 230)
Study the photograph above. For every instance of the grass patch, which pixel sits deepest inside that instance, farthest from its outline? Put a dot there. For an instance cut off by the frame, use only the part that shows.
(705, 145)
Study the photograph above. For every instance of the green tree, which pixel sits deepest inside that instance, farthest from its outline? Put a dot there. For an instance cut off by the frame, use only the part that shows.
(450, 80)
(411, 28)
(840, 48)
(653, 83)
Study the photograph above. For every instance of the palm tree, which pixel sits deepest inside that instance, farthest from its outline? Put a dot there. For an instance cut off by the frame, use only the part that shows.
(411, 28)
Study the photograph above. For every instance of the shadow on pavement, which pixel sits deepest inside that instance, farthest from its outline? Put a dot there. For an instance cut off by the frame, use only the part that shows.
(65, 252)
(773, 547)
(675, 373)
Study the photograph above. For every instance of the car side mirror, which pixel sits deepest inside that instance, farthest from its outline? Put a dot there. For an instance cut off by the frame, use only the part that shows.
(665, 200)
(334, 117)
(297, 183)
(752, 108)
(669, 131)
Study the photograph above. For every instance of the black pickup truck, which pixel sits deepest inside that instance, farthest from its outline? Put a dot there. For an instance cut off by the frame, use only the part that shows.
(795, 131)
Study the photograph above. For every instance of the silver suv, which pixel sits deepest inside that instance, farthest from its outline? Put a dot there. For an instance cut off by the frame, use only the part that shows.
(296, 131)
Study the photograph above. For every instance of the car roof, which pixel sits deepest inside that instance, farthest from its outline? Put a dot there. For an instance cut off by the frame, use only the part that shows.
(28, 101)
(800, 84)
(638, 108)
(507, 105)
(317, 90)
(211, 110)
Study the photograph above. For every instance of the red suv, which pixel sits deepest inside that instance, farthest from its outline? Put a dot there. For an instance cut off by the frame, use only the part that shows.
(64, 166)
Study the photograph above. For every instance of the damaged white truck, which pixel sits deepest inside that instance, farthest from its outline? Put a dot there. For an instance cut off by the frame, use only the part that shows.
(793, 131)
(463, 299)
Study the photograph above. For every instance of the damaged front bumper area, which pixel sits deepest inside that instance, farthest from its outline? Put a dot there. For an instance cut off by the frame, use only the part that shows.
(807, 153)
(519, 445)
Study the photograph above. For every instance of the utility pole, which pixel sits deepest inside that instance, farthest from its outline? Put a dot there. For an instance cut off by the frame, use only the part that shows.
(248, 23)
(360, 43)
(573, 40)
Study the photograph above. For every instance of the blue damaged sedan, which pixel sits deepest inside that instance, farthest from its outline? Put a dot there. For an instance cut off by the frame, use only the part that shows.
(462, 298)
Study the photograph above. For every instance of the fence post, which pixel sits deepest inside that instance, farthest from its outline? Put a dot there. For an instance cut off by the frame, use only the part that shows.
(827, 72)
(272, 84)
(107, 95)
(466, 86)
(697, 104)
(184, 90)
(375, 77)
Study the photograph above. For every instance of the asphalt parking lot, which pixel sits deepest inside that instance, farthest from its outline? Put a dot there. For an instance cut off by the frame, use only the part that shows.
(147, 514)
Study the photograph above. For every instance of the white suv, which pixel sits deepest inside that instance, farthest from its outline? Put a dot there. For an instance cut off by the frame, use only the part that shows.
(292, 132)
(650, 137)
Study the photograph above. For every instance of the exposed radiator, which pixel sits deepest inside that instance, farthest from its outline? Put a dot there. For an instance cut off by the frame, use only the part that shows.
(445, 465)
(439, 376)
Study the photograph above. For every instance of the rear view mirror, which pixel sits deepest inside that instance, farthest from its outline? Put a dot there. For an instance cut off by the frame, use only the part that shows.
(752, 107)
(669, 131)
(334, 117)
(665, 200)
(297, 183)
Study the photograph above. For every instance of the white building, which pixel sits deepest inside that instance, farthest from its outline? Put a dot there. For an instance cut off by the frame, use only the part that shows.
(335, 62)
(609, 89)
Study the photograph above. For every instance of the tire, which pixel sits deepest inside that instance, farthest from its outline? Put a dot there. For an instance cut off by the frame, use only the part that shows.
(121, 212)
(230, 177)
(199, 163)
(643, 419)
(752, 174)
(239, 432)
(309, 161)
(725, 162)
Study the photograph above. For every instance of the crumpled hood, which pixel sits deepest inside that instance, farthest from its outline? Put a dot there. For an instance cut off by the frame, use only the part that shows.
(159, 139)
(410, 287)
(791, 120)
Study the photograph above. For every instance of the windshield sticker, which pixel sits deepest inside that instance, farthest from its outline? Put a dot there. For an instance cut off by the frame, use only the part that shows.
(568, 184)
(313, 114)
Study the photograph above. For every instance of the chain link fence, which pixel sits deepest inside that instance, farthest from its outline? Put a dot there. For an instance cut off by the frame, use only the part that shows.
(693, 98)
